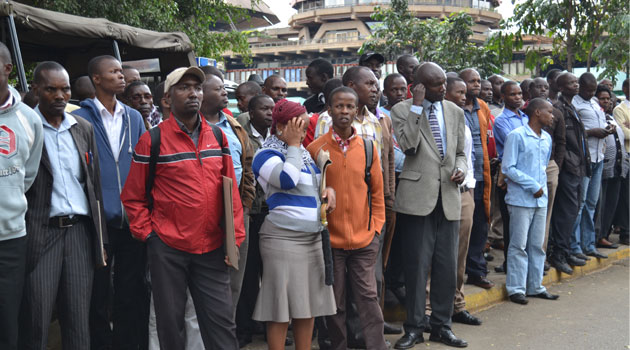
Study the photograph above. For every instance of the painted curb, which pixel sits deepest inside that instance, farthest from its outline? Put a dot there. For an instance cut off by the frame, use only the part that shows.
(486, 298)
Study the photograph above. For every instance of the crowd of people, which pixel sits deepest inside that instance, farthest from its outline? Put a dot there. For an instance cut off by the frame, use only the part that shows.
(363, 193)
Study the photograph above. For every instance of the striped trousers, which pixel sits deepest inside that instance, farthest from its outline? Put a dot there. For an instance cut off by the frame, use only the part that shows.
(63, 277)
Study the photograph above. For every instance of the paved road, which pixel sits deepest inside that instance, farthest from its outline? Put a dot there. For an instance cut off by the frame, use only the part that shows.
(593, 312)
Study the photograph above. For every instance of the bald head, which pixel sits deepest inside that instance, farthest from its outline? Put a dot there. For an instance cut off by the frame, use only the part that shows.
(433, 78)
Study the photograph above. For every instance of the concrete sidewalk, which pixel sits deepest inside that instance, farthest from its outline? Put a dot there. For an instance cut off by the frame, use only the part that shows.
(478, 299)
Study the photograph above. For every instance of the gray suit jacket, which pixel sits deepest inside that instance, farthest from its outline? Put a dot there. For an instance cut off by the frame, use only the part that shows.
(425, 175)
(40, 194)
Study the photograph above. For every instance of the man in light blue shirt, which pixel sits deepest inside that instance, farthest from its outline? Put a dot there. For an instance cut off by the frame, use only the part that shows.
(526, 154)
(594, 120)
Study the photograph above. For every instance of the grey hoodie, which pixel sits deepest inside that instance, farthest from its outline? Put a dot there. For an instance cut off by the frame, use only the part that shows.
(21, 140)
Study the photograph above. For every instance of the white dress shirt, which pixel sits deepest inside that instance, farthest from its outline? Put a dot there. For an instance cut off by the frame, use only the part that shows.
(469, 180)
(439, 115)
(113, 124)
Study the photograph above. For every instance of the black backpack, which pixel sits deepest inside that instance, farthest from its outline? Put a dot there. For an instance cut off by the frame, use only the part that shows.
(156, 140)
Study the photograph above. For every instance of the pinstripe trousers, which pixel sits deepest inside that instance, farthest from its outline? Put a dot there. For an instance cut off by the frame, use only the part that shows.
(63, 276)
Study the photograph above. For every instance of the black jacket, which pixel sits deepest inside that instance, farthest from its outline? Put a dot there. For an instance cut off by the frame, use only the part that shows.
(313, 104)
(577, 159)
(40, 194)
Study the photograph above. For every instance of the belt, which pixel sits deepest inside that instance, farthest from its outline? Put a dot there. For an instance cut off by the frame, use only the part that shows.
(463, 189)
(64, 221)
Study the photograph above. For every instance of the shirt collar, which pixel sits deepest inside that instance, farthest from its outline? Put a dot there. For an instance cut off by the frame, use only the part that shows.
(118, 109)
(508, 113)
(426, 104)
(256, 133)
(530, 132)
(475, 104)
(367, 116)
(67, 122)
(185, 129)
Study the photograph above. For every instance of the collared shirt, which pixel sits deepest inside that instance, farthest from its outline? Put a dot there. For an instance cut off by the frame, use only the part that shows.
(472, 120)
(68, 190)
(369, 128)
(155, 117)
(343, 144)
(469, 180)
(592, 117)
(439, 114)
(505, 123)
(194, 135)
(524, 164)
(113, 124)
(257, 135)
(236, 149)
(399, 155)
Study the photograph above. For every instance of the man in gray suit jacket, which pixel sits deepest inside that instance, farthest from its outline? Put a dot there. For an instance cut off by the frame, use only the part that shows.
(65, 220)
(431, 133)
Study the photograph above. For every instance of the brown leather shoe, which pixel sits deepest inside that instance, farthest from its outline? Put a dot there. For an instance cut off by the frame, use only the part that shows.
(480, 282)
(604, 243)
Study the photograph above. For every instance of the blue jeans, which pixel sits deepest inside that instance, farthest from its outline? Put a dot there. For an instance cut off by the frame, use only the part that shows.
(526, 258)
(584, 228)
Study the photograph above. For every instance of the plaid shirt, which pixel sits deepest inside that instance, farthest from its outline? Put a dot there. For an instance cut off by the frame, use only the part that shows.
(343, 144)
(369, 128)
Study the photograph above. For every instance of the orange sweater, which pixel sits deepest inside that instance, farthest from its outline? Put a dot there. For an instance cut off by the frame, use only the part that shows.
(348, 223)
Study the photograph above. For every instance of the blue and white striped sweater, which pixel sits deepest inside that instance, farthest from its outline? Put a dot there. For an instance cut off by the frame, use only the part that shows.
(291, 190)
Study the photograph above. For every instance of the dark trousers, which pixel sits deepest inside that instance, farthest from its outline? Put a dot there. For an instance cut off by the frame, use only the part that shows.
(63, 277)
(130, 306)
(430, 245)
(622, 219)
(251, 279)
(359, 266)
(608, 200)
(12, 270)
(505, 216)
(476, 266)
(208, 278)
(565, 213)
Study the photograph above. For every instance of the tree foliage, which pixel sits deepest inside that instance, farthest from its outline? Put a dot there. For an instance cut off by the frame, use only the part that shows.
(577, 28)
(444, 41)
(193, 17)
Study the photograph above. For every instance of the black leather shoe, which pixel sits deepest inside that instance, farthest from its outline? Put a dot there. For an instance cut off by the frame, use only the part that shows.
(545, 295)
(409, 340)
(562, 266)
(488, 257)
(499, 269)
(466, 318)
(597, 254)
(446, 336)
(519, 298)
(575, 261)
(427, 323)
(391, 329)
(581, 256)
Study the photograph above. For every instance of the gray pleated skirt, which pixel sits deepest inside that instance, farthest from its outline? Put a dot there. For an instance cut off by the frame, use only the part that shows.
(293, 276)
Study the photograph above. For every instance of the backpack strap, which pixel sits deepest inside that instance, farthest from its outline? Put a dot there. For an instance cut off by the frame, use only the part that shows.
(153, 158)
(218, 134)
(369, 148)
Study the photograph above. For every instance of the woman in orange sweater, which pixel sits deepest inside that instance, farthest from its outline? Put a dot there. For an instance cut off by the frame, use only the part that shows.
(356, 221)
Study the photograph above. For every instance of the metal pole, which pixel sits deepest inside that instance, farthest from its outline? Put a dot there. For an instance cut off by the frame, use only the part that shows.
(116, 51)
(18, 54)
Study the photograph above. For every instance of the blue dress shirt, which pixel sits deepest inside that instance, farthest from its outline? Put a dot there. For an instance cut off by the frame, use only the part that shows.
(68, 191)
(504, 124)
(236, 150)
(524, 164)
(439, 114)
(472, 120)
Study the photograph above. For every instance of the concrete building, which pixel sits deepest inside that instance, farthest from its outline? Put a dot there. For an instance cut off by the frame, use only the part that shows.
(335, 30)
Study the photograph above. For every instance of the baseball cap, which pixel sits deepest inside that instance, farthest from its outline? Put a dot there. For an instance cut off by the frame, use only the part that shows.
(368, 55)
(175, 76)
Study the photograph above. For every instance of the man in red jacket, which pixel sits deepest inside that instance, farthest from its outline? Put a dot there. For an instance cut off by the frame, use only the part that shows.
(182, 229)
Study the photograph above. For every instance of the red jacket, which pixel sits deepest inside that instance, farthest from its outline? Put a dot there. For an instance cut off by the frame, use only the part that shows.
(187, 190)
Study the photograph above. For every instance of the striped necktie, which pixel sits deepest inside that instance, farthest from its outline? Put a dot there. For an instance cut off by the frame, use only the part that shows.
(435, 130)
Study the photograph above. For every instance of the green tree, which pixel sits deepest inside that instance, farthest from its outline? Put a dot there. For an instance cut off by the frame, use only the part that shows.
(193, 17)
(444, 41)
(578, 28)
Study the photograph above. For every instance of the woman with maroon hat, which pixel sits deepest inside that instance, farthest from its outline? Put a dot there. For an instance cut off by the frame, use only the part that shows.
(293, 286)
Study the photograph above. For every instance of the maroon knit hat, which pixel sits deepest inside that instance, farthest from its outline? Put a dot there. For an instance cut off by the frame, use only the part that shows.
(285, 110)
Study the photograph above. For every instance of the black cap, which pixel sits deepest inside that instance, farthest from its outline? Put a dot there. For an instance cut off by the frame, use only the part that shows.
(368, 55)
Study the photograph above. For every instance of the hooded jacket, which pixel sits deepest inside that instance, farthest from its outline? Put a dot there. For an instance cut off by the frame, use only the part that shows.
(114, 173)
(21, 141)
